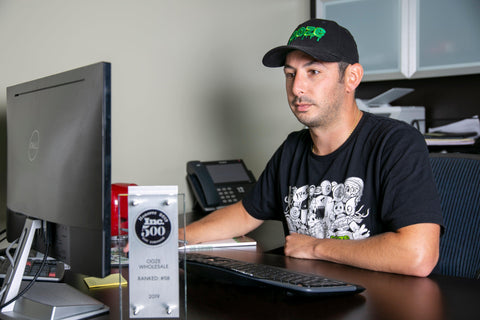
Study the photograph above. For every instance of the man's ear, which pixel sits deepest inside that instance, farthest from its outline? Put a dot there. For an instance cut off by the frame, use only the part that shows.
(353, 77)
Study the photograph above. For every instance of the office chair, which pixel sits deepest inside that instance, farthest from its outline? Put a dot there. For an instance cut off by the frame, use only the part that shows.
(458, 182)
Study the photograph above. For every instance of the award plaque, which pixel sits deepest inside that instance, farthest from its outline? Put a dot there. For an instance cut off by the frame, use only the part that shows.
(153, 255)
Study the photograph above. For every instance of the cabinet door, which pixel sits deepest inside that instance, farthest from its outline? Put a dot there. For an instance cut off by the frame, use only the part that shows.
(380, 28)
(445, 39)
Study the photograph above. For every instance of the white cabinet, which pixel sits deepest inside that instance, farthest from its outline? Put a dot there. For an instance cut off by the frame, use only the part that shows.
(445, 39)
(400, 39)
(379, 28)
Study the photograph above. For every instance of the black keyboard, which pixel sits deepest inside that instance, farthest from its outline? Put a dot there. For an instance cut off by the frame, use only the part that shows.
(242, 272)
(53, 270)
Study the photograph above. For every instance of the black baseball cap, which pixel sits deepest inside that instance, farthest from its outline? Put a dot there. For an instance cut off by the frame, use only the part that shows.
(324, 40)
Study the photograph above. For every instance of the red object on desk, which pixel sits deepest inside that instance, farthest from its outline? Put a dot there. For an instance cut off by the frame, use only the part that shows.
(119, 227)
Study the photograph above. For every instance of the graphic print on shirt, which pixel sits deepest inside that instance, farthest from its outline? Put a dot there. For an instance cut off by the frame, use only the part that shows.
(328, 210)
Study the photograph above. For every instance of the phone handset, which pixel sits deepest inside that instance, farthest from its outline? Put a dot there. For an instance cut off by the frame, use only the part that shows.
(202, 183)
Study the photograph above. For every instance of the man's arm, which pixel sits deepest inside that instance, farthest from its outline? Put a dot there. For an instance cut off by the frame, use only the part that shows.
(411, 250)
(228, 222)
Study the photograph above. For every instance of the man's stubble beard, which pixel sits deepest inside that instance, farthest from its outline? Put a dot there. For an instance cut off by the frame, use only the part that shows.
(324, 118)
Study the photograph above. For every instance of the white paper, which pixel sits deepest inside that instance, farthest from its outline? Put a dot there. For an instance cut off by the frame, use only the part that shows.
(465, 125)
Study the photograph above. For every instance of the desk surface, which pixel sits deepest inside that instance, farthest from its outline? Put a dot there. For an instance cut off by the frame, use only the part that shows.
(387, 296)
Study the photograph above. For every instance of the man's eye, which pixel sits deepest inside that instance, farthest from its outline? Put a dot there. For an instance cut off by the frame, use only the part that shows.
(314, 72)
(289, 75)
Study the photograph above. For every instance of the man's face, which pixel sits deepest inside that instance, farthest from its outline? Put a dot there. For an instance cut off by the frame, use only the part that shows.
(314, 90)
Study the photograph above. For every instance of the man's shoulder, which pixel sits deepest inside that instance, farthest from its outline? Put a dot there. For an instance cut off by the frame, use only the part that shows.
(384, 126)
(392, 136)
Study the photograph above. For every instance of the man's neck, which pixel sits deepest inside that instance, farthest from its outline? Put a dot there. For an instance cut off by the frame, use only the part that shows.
(328, 139)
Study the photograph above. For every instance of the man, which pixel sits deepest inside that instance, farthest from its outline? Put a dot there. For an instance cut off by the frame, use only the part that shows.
(353, 188)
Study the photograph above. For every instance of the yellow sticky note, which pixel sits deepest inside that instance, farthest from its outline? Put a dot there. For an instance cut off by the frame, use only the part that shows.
(112, 280)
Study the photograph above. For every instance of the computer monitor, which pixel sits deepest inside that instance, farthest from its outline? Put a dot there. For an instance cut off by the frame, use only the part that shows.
(59, 165)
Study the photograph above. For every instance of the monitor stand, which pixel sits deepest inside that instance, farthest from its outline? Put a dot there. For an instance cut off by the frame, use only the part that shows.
(44, 300)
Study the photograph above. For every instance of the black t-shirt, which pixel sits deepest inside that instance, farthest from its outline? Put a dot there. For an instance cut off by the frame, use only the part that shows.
(379, 180)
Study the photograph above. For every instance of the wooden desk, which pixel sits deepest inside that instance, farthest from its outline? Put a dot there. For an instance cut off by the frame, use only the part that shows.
(387, 296)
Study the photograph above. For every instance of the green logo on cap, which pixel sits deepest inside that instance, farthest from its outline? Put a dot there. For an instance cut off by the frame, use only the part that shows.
(307, 32)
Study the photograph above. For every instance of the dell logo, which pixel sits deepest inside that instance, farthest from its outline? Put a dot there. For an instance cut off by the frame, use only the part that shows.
(33, 145)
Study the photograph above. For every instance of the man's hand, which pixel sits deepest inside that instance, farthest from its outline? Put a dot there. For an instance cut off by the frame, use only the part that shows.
(300, 246)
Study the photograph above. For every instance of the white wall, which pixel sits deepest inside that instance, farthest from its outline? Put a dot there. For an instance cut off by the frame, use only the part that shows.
(187, 78)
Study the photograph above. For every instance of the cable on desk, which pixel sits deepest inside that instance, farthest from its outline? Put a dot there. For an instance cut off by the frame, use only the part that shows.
(37, 274)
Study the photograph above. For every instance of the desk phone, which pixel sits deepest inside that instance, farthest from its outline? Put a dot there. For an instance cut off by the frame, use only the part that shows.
(216, 184)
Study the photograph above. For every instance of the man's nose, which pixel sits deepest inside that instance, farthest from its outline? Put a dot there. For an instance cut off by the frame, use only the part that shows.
(298, 87)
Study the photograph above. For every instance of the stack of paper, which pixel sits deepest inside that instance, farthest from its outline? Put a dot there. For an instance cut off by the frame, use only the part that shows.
(463, 132)
(233, 242)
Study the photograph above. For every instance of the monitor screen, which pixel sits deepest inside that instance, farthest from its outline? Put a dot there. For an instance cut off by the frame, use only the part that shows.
(58, 164)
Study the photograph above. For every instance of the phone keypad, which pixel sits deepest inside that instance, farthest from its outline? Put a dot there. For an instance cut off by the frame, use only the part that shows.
(227, 195)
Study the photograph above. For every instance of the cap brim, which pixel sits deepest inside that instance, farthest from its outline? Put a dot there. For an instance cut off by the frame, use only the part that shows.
(277, 56)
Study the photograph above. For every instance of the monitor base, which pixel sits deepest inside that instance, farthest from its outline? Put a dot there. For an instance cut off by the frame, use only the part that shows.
(46, 300)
